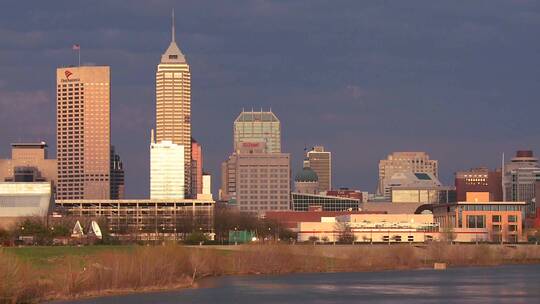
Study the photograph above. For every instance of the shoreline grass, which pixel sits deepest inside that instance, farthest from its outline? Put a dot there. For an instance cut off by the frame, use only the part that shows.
(34, 274)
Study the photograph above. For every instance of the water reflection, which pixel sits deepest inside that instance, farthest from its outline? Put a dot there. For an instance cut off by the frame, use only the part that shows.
(507, 284)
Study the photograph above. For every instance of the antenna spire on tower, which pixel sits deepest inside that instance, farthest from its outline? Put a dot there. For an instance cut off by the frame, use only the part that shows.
(172, 32)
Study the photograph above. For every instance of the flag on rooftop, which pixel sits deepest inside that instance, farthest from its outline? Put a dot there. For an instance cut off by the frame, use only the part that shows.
(76, 47)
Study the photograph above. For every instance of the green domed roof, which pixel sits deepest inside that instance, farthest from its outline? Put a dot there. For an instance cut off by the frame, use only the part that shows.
(306, 175)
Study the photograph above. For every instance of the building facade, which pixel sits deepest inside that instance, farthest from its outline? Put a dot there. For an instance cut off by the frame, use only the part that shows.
(479, 180)
(304, 202)
(29, 162)
(481, 221)
(258, 127)
(403, 162)
(257, 182)
(173, 103)
(196, 168)
(167, 170)
(320, 161)
(372, 228)
(83, 132)
(118, 188)
(306, 180)
(22, 199)
(165, 217)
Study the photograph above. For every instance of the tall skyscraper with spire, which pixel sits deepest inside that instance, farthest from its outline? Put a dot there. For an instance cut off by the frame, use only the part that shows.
(173, 102)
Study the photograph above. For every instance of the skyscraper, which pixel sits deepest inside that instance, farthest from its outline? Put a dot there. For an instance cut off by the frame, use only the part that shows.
(117, 176)
(320, 161)
(519, 178)
(166, 170)
(83, 132)
(196, 168)
(173, 103)
(404, 162)
(258, 127)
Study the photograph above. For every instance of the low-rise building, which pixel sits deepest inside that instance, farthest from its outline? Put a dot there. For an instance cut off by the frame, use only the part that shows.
(481, 221)
(303, 201)
(20, 199)
(149, 216)
(371, 228)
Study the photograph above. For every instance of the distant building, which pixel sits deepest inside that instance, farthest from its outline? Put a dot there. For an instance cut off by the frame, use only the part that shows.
(83, 132)
(290, 219)
(173, 103)
(408, 187)
(258, 127)
(320, 161)
(118, 189)
(306, 180)
(371, 228)
(404, 162)
(163, 218)
(481, 221)
(345, 192)
(24, 199)
(196, 168)
(166, 170)
(29, 162)
(305, 201)
(206, 187)
(479, 184)
(520, 176)
(258, 182)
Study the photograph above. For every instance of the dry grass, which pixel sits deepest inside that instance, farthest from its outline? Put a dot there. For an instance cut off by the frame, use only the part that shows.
(172, 266)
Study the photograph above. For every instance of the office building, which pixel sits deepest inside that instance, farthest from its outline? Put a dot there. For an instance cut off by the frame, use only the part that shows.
(167, 170)
(320, 161)
(173, 103)
(257, 182)
(83, 132)
(258, 127)
(481, 221)
(29, 162)
(117, 176)
(403, 162)
(196, 168)
(423, 188)
(479, 184)
(520, 176)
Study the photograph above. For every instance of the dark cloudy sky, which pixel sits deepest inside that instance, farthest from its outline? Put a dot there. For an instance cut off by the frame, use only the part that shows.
(458, 79)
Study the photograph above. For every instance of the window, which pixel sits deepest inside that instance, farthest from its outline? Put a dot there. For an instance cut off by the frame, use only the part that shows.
(496, 228)
(476, 221)
(410, 238)
(496, 218)
(512, 228)
(512, 218)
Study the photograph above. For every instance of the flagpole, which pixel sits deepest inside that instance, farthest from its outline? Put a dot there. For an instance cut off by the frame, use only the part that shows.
(79, 51)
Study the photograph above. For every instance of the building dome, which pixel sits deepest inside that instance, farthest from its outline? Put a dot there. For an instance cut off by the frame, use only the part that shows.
(306, 175)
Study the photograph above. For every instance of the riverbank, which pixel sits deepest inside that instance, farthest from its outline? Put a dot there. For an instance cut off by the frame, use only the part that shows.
(29, 275)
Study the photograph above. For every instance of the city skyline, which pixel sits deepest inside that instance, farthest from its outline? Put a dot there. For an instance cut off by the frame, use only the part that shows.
(462, 123)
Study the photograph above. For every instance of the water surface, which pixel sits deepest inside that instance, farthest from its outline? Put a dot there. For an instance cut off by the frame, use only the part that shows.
(505, 284)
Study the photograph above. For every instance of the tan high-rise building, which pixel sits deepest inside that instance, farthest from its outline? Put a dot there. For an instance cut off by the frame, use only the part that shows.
(320, 161)
(83, 131)
(173, 103)
(404, 162)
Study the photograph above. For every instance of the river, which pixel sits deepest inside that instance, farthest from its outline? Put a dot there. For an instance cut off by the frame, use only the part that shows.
(503, 284)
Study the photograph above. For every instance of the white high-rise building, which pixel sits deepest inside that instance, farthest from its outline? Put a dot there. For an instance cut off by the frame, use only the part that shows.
(166, 170)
